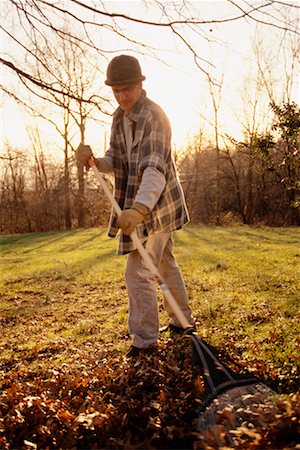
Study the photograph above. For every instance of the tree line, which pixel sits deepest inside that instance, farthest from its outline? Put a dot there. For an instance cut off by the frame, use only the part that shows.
(253, 182)
(39, 195)
(257, 182)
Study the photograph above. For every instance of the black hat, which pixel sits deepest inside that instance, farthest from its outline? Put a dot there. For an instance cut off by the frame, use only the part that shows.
(123, 69)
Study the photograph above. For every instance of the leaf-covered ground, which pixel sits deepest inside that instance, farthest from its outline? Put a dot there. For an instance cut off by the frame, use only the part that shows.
(64, 383)
(114, 403)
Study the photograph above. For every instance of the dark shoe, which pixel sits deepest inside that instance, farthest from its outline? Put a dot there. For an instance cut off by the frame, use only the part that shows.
(174, 329)
(134, 352)
(190, 330)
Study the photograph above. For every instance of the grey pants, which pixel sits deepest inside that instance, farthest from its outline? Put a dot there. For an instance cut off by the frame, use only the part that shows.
(143, 318)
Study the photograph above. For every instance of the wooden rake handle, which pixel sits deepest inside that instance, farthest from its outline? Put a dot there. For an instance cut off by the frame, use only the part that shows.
(147, 260)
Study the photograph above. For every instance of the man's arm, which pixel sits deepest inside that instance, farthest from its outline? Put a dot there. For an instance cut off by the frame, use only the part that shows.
(151, 187)
(104, 164)
(84, 156)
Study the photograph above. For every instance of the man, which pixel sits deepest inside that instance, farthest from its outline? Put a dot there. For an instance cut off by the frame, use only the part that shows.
(150, 196)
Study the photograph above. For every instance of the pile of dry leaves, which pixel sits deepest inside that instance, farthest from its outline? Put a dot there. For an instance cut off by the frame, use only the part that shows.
(147, 403)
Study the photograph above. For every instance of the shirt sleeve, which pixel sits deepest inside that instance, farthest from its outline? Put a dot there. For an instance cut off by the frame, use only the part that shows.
(104, 164)
(156, 145)
(151, 187)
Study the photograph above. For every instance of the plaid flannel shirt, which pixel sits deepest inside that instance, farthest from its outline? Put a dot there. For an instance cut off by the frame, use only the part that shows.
(151, 148)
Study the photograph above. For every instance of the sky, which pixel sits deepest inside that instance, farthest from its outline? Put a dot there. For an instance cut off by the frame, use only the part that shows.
(174, 81)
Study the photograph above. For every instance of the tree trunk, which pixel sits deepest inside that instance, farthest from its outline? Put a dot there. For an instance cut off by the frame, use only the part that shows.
(68, 219)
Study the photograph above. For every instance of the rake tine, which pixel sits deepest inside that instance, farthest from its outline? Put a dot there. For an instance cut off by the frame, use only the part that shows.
(206, 371)
(218, 363)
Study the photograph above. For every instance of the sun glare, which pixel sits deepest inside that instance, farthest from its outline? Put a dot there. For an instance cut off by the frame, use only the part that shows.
(13, 127)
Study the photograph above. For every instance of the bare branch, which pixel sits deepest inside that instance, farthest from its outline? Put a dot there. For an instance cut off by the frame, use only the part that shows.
(260, 8)
(49, 86)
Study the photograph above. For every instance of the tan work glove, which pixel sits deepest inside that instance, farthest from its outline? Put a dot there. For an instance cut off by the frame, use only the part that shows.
(83, 154)
(129, 219)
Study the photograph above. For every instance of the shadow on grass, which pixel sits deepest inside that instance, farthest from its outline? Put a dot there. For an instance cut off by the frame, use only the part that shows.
(212, 235)
(36, 241)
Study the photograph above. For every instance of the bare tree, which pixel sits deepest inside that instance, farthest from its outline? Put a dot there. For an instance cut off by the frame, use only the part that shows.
(67, 115)
(14, 209)
(216, 97)
(235, 175)
(264, 84)
(278, 65)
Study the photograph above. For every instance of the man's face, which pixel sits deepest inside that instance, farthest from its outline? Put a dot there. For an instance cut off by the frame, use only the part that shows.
(127, 95)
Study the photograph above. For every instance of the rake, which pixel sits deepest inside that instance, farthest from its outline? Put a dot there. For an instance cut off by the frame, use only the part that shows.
(224, 389)
(230, 399)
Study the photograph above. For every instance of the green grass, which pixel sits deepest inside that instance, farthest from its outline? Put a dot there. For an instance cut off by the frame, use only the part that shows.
(64, 290)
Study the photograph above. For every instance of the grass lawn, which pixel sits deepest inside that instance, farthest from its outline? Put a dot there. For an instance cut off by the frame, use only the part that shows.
(64, 303)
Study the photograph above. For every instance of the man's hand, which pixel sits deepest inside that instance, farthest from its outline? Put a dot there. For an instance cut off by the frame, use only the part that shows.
(83, 154)
(131, 218)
